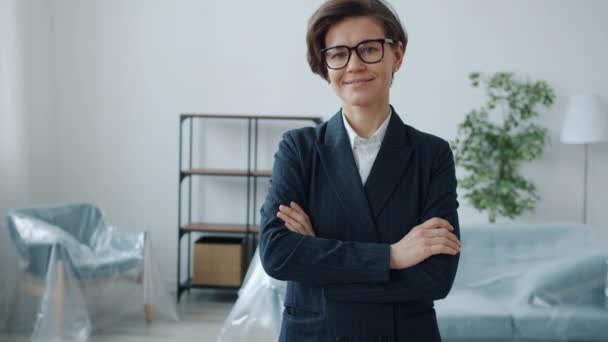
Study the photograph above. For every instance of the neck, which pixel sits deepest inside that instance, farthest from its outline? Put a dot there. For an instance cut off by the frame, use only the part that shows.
(366, 120)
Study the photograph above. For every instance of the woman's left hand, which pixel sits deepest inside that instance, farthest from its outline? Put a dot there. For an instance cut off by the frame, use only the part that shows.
(296, 219)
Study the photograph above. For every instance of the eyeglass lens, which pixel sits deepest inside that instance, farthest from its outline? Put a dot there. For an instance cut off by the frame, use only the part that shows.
(368, 52)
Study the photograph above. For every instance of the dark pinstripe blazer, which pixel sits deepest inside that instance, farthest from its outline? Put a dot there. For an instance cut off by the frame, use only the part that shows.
(339, 284)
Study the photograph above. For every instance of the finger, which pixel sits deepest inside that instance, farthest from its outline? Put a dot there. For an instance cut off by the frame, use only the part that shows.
(283, 216)
(290, 223)
(297, 207)
(442, 249)
(437, 222)
(300, 229)
(300, 210)
(442, 223)
(294, 229)
(308, 229)
(289, 220)
(453, 237)
(301, 219)
(294, 214)
(298, 226)
(441, 232)
(446, 242)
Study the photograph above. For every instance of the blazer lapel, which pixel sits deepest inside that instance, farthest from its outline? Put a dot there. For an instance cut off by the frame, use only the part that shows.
(336, 156)
(389, 166)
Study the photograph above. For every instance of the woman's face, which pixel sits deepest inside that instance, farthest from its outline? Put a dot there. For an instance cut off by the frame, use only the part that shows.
(361, 84)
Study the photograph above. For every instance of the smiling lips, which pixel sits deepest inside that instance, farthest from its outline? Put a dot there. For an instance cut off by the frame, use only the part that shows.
(358, 82)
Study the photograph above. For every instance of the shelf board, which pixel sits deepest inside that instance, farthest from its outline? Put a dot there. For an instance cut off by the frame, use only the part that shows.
(227, 172)
(219, 228)
(316, 119)
(215, 172)
(188, 284)
(262, 173)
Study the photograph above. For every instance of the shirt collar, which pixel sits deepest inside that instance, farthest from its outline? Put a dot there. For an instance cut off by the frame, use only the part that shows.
(378, 135)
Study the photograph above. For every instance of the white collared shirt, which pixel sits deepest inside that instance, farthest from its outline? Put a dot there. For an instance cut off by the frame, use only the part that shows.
(366, 150)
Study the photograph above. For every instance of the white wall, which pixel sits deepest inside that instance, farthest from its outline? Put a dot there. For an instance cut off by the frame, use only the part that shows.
(14, 180)
(119, 72)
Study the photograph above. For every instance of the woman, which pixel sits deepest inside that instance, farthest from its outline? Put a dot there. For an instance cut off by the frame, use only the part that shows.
(361, 216)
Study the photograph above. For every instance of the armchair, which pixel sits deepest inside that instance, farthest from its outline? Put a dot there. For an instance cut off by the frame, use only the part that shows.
(68, 255)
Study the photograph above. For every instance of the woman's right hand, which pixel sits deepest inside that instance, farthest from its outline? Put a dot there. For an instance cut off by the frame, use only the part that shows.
(432, 237)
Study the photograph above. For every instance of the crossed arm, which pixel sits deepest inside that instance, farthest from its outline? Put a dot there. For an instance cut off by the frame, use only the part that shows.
(434, 236)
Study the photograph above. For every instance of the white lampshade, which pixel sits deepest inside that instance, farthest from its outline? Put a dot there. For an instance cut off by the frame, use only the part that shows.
(585, 122)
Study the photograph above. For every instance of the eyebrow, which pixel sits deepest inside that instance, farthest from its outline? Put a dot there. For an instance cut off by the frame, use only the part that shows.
(361, 41)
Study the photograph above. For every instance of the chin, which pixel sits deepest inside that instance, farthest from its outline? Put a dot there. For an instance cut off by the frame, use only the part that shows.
(360, 100)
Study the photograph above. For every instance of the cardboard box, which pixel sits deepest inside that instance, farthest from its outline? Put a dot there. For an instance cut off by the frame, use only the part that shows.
(218, 261)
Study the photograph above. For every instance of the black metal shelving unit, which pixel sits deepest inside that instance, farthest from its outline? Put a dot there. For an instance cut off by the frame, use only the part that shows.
(248, 231)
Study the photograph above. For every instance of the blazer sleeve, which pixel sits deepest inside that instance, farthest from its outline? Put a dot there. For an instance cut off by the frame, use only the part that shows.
(431, 279)
(286, 255)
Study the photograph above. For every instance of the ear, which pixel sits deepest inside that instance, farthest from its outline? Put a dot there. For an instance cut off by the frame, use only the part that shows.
(398, 53)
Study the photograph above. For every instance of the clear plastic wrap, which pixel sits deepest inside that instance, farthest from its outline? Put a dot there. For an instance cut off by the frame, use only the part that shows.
(515, 282)
(256, 316)
(78, 273)
(529, 282)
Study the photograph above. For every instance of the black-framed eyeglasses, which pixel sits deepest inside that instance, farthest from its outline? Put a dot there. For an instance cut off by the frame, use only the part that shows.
(370, 51)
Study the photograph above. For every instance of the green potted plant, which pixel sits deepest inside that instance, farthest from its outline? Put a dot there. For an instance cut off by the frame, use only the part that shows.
(495, 139)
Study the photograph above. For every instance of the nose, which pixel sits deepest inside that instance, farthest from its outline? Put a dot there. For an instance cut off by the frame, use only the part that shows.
(355, 63)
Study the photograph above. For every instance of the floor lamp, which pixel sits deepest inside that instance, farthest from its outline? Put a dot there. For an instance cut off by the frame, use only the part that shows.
(586, 122)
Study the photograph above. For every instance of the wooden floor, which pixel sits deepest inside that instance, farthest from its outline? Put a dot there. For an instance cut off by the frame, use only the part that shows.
(202, 314)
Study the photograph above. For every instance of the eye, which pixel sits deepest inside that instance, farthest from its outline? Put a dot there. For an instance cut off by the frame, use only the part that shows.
(337, 54)
(369, 50)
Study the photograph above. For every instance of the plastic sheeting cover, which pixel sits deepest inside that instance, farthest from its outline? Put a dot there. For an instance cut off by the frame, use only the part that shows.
(515, 282)
(78, 273)
(256, 316)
